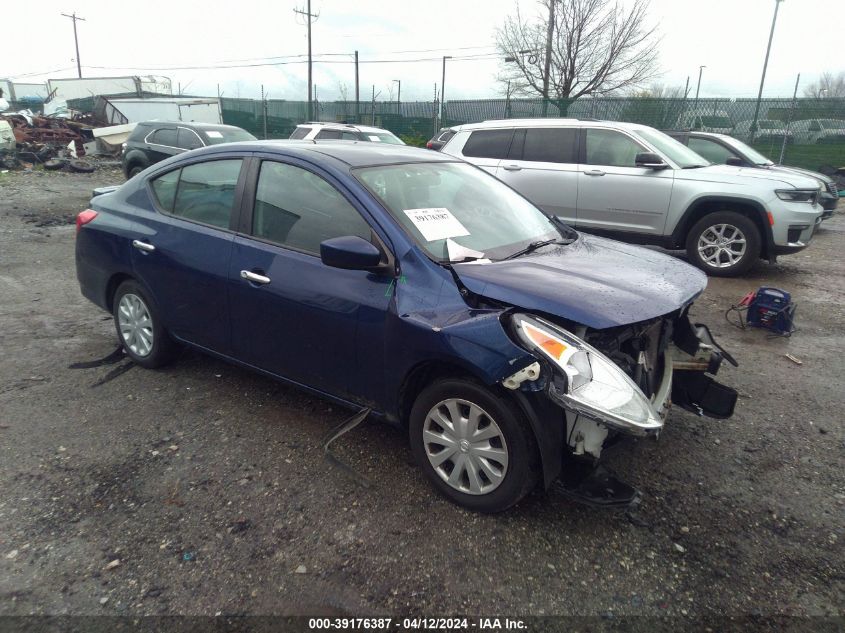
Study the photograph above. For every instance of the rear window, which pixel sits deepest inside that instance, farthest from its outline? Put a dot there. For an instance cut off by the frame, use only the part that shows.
(228, 135)
(488, 144)
(446, 135)
(300, 132)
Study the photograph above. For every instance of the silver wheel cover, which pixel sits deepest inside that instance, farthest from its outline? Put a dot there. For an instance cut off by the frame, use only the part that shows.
(465, 446)
(136, 324)
(721, 245)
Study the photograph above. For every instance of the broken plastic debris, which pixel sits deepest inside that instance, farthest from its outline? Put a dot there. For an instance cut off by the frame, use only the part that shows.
(458, 253)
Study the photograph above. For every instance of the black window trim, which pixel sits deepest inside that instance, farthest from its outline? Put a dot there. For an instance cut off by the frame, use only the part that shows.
(247, 207)
(239, 191)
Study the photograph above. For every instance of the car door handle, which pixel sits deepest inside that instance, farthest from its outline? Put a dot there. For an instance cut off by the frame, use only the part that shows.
(511, 167)
(143, 246)
(254, 277)
(594, 172)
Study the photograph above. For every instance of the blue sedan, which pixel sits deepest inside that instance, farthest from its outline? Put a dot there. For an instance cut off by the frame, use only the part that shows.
(413, 287)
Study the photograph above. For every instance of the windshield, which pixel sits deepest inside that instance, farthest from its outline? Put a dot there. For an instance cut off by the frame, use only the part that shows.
(227, 135)
(677, 152)
(444, 202)
(383, 137)
(716, 121)
(749, 152)
(832, 124)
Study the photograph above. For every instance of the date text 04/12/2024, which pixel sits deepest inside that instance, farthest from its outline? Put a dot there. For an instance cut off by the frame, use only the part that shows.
(417, 624)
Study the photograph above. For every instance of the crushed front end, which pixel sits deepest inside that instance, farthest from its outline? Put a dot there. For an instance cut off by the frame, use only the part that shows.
(613, 382)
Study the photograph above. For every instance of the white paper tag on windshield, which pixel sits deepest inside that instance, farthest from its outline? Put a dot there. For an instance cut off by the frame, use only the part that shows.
(213, 134)
(436, 223)
(374, 138)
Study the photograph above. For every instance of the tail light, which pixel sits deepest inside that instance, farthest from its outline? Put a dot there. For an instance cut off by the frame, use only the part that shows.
(84, 218)
(429, 145)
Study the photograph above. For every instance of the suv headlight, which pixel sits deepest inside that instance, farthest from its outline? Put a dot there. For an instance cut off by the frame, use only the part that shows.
(595, 386)
(797, 195)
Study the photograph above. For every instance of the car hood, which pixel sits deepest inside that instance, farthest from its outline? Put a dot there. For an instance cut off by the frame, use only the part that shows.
(741, 175)
(799, 171)
(594, 281)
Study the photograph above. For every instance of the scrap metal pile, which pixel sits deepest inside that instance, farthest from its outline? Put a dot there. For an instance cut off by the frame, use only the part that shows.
(40, 139)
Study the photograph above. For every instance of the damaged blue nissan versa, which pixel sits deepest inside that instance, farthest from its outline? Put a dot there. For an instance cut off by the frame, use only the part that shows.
(415, 288)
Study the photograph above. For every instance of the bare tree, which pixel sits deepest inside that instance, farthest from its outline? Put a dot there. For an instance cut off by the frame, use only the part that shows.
(572, 48)
(343, 91)
(828, 85)
(659, 91)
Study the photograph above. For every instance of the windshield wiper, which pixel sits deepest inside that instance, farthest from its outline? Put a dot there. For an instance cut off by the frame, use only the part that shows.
(533, 246)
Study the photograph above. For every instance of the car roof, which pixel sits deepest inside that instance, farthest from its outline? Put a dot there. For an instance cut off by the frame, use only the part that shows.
(351, 153)
(550, 122)
(344, 126)
(192, 124)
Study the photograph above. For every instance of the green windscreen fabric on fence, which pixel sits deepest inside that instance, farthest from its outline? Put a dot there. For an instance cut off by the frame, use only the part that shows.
(810, 133)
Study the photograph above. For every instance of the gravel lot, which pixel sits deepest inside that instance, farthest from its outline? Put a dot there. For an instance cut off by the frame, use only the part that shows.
(208, 485)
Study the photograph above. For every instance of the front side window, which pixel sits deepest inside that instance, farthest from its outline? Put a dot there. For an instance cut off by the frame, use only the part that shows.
(488, 144)
(187, 139)
(164, 136)
(683, 156)
(440, 202)
(206, 192)
(298, 209)
(611, 148)
(714, 152)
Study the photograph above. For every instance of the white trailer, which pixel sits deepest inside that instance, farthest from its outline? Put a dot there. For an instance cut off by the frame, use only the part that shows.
(168, 109)
(64, 89)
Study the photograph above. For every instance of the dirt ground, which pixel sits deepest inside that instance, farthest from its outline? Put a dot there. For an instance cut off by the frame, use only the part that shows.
(203, 489)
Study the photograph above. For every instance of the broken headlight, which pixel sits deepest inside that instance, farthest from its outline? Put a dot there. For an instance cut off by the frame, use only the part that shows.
(594, 385)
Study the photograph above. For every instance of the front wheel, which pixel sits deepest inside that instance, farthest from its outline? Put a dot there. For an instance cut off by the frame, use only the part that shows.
(474, 446)
(724, 244)
(139, 328)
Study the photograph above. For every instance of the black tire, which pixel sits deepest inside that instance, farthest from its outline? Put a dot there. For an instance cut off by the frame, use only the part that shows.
(81, 166)
(134, 171)
(743, 224)
(162, 348)
(522, 471)
(54, 164)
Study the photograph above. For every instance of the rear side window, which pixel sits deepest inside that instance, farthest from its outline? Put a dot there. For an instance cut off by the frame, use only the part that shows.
(300, 132)
(550, 145)
(164, 136)
(488, 144)
(206, 192)
(187, 139)
(164, 188)
(298, 209)
(330, 134)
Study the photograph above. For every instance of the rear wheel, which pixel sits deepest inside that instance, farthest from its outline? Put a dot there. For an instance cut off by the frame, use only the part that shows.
(134, 171)
(474, 446)
(724, 244)
(139, 328)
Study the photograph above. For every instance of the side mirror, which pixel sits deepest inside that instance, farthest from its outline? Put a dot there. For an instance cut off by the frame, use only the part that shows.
(649, 160)
(350, 252)
(734, 161)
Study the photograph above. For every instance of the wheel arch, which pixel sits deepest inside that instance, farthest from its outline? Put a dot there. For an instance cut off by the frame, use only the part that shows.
(752, 209)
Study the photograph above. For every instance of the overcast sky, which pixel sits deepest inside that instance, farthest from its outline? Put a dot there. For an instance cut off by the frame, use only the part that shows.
(122, 38)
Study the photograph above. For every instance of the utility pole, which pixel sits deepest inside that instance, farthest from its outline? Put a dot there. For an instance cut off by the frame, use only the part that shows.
(434, 133)
(309, 18)
(357, 97)
(374, 105)
(550, 30)
(763, 77)
(74, 17)
(264, 110)
(443, 88)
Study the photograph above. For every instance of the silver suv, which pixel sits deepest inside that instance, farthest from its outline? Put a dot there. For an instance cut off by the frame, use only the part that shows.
(639, 185)
(344, 132)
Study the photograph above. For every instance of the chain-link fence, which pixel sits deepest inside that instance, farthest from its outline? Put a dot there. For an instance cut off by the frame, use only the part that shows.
(806, 133)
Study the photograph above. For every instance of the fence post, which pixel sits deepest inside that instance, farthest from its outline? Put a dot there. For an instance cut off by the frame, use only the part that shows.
(264, 111)
(789, 120)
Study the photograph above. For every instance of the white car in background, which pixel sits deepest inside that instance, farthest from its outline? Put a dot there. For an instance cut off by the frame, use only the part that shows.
(768, 131)
(344, 132)
(812, 131)
(706, 121)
